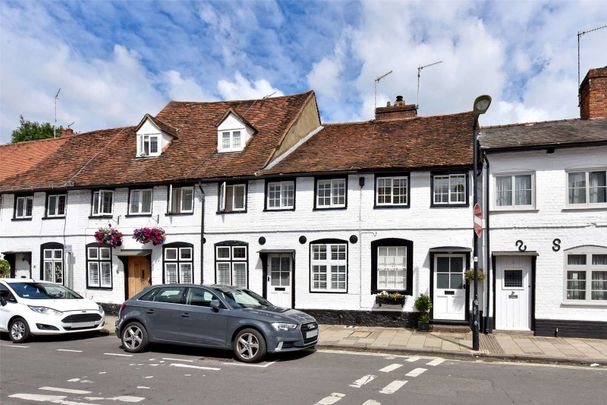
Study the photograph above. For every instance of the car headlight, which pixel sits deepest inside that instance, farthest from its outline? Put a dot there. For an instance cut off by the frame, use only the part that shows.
(100, 308)
(45, 310)
(283, 326)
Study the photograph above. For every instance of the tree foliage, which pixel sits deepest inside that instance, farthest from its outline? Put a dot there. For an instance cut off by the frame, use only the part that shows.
(31, 130)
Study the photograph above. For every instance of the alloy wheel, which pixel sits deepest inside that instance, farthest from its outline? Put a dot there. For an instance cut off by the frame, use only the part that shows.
(18, 330)
(248, 345)
(132, 337)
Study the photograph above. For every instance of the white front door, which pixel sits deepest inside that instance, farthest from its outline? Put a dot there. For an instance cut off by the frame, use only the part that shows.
(449, 287)
(279, 279)
(512, 293)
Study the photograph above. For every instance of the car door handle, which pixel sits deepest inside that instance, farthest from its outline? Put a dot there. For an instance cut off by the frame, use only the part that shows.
(185, 315)
(149, 311)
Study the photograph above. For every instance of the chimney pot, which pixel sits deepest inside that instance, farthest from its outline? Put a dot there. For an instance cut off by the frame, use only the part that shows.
(388, 104)
(398, 110)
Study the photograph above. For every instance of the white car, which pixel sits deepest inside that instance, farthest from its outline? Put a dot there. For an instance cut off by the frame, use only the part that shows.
(29, 307)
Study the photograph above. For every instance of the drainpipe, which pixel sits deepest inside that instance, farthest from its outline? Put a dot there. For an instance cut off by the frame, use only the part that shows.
(201, 232)
(488, 261)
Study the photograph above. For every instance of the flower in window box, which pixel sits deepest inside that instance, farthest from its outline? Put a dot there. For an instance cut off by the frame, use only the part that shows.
(146, 235)
(385, 298)
(109, 236)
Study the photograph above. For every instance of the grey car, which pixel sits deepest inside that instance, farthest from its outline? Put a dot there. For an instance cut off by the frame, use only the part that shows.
(214, 316)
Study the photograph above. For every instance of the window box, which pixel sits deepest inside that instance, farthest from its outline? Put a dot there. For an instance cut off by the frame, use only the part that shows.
(392, 191)
(395, 299)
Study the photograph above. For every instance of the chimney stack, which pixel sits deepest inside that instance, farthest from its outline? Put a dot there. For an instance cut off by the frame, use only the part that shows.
(593, 94)
(67, 131)
(399, 110)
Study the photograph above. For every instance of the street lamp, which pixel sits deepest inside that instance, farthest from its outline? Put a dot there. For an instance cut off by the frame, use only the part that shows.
(481, 104)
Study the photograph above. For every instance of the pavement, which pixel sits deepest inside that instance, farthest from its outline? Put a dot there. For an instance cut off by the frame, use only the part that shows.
(497, 346)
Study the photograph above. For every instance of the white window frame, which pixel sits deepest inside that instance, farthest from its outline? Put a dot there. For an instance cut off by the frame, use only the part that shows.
(588, 269)
(178, 263)
(513, 206)
(222, 197)
(333, 183)
(587, 204)
(405, 270)
(232, 261)
(101, 257)
(378, 179)
(330, 263)
(449, 177)
(181, 210)
(140, 205)
(232, 147)
(53, 260)
(101, 212)
(147, 139)
(283, 195)
(23, 214)
(56, 214)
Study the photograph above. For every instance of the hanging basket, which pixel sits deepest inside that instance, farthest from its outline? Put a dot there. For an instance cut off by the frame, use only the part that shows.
(109, 236)
(146, 235)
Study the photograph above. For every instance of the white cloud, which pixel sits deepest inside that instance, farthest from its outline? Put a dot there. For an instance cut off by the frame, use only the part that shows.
(184, 89)
(242, 89)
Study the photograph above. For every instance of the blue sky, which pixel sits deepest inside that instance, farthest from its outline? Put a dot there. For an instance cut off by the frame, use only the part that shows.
(115, 61)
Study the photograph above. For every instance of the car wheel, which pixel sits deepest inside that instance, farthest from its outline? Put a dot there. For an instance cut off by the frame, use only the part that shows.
(18, 330)
(134, 337)
(249, 346)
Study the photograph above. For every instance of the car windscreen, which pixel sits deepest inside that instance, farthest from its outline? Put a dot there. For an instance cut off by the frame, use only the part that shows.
(244, 299)
(44, 291)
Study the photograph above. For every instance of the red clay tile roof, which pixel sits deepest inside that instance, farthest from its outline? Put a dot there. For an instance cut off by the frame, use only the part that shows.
(108, 157)
(420, 142)
(20, 157)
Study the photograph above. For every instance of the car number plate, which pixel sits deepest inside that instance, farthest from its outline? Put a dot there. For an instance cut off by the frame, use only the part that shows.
(311, 333)
(83, 324)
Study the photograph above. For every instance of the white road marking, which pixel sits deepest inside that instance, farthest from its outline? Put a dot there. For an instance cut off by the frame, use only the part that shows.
(392, 387)
(55, 399)
(118, 354)
(391, 367)
(16, 347)
(435, 362)
(416, 372)
(331, 399)
(192, 366)
(411, 359)
(122, 398)
(249, 365)
(73, 380)
(143, 387)
(372, 402)
(175, 359)
(66, 390)
(149, 376)
(69, 350)
(154, 365)
(363, 380)
(103, 372)
(187, 375)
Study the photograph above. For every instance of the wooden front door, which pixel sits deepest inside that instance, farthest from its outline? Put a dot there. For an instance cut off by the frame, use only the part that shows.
(138, 274)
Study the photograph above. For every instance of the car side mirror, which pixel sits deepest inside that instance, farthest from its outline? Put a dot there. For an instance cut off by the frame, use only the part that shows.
(215, 305)
(2, 301)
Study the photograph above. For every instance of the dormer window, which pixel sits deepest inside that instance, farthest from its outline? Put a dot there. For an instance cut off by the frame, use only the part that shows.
(233, 132)
(150, 145)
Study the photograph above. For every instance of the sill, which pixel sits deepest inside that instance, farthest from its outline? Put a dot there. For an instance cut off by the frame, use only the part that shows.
(177, 214)
(327, 292)
(449, 205)
(583, 207)
(231, 212)
(278, 209)
(381, 207)
(329, 208)
(137, 215)
(582, 303)
(100, 216)
(99, 288)
(54, 217)
(513, 209)
(22, 219)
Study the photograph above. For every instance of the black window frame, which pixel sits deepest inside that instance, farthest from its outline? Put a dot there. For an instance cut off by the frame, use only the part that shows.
(390, 175)
(46, 206)
(266, 194)
(99, 261)
(22, 195)
(244, 183)
(320, 178)
(231, 244)
(328, 241)
(178, 246)
(448, 173)
(408, 244)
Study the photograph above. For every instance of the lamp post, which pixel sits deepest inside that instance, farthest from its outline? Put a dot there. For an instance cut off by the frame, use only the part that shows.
(481, 104)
